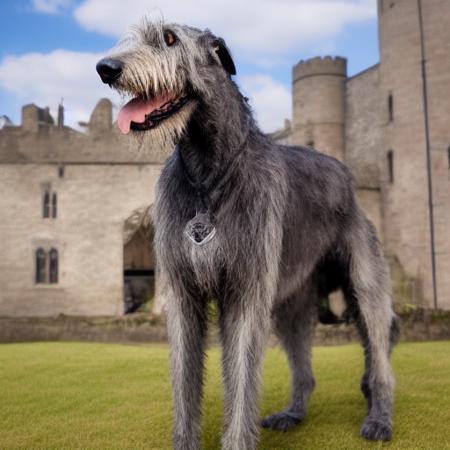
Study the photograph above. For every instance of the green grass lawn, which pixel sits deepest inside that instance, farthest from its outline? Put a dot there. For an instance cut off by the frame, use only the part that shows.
(82, 395)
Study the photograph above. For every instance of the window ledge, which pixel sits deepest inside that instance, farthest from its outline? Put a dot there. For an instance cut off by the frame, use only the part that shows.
(47, 286)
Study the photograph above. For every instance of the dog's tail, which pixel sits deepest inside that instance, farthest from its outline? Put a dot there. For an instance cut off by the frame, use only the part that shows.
(395, 332)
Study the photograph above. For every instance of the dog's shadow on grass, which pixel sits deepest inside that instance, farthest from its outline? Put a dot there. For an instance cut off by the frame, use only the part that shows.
(327, 425)
(330, 424)
(337, 409)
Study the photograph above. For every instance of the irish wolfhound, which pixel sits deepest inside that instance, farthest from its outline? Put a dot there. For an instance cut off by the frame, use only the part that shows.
(266, 230)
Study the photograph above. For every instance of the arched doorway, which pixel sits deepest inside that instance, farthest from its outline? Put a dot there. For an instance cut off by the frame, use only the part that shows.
(138, 261)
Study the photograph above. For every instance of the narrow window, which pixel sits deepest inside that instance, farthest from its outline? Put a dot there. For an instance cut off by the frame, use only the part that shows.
(448, 157)
(46, 205)
(390, 160)
(54, 205)
(53, 266)
(391, 107)
(40, 265)
(61, 171)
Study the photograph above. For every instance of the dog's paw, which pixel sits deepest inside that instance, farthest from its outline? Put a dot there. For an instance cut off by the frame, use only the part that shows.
(376, 430)
(282, 421)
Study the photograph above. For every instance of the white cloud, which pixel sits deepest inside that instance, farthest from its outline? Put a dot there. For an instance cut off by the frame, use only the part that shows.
(72, 76)
(50, 6)
(256, 26)
(270, 100)
(265, 32)
(46, 78)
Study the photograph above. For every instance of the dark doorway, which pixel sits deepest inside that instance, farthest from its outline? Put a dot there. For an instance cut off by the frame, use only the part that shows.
(139, 272)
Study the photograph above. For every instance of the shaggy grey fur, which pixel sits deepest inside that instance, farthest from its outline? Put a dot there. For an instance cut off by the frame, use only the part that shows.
(289, 232)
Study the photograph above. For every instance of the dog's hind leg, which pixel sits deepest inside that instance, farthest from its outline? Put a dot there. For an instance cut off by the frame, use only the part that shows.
(186, 321)
(393, 338)
(294, 323)
(370, 287)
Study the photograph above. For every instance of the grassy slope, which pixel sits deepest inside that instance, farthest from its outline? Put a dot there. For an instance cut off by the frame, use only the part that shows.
(74, 395)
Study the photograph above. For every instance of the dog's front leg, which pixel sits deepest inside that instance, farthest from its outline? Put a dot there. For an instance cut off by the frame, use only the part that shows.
(244, 328)
(186, 320)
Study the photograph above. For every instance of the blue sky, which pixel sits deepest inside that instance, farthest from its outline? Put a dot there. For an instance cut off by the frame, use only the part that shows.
(48, 48)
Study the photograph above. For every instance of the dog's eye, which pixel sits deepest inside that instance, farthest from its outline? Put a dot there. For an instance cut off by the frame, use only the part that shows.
(169, 38)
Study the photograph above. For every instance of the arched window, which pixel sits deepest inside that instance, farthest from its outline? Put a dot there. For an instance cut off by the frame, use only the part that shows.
(46, 205)
(53, 266)
(49, 203)
(390, 161)
(40, 265)
(391, 107)
(54, 205)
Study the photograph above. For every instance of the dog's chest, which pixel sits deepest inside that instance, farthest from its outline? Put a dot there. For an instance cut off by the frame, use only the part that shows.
(190, 246)
(205, 260)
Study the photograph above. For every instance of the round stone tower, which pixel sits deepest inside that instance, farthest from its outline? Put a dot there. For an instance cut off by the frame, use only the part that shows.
(319, 104)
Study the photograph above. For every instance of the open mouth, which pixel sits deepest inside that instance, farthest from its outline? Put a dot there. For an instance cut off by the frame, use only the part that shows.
(141, 114)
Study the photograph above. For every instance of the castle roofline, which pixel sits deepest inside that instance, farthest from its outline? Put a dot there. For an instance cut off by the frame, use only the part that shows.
(363, 72)
(320, 65)
(5, 121)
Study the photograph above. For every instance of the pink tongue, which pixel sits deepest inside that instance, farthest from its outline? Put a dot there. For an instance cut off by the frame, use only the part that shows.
(136, 110)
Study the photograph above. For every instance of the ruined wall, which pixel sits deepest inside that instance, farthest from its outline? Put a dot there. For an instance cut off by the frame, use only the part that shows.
(39, 141)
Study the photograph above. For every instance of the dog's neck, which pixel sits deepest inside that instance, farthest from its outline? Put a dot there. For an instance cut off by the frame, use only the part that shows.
(215, 136)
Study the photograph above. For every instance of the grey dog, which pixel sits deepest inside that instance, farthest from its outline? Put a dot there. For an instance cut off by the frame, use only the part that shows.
(265, 230)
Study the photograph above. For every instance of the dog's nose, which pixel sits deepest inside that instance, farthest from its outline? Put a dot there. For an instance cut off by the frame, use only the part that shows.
(109, 69)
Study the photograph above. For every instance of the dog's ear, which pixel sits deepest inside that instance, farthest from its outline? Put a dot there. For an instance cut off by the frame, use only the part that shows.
(224, 55)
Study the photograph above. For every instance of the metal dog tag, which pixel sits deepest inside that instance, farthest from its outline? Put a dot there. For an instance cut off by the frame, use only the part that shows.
(200, 230)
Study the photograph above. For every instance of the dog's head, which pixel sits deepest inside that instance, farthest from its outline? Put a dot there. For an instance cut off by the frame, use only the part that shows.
(167, 70)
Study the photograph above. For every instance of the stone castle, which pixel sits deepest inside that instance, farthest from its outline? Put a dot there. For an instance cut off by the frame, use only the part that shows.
(75, 205)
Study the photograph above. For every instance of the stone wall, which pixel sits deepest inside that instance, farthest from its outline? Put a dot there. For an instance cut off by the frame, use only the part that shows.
(40, 141)
(405, 199)
(363, 127)
(417, 325)
(93, 203)
(369, 200)
(436, 18)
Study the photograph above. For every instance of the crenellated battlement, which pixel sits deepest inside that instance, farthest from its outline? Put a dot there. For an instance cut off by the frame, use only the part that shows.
(327, 65)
